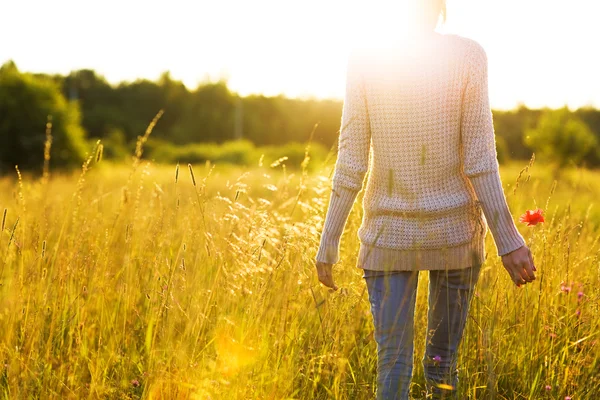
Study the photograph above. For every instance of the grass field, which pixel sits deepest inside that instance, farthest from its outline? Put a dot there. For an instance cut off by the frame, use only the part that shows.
(143, 282)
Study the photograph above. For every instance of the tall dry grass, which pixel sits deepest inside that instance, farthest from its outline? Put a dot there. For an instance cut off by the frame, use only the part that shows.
(140, 281)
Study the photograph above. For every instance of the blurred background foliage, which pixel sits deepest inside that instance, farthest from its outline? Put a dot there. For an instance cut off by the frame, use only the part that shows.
(212, 123)
(27, 104)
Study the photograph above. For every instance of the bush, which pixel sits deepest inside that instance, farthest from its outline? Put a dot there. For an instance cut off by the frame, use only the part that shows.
(115, 146)
(502, 150)
(562, 138)
(240, 152)
(27, 103)
(294, 152)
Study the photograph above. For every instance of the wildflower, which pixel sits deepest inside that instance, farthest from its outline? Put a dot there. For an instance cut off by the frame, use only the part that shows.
(553, 335)
(564, 288)
(532, 217)
(568, 398)
(578, 312)
(579, 295)
(548, 387)
(135, 383)
(437, 359)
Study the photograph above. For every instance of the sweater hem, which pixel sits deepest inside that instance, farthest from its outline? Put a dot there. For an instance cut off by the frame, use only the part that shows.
(449, 258)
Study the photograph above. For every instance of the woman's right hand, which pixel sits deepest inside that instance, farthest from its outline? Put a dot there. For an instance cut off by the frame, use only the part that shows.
(519, 265)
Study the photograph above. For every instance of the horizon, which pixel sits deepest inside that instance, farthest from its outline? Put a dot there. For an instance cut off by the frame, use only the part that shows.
(304, 98)
(530, 62)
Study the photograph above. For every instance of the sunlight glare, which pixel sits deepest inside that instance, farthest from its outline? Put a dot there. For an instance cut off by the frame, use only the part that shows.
(384, 22)
(232, 354)
(300, 48)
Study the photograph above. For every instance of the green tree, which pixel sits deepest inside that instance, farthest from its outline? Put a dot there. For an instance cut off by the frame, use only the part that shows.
(26, 104)
(510, 128)
(591, 117)
(562, 138)
(208, 116)
(97, 100)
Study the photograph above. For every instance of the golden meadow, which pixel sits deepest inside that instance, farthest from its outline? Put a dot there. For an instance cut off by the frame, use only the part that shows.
(175, 282)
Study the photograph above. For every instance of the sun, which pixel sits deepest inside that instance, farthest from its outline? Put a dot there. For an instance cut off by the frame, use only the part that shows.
(383, 22)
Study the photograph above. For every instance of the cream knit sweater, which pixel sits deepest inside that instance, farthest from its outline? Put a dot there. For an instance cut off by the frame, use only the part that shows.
(416, 116)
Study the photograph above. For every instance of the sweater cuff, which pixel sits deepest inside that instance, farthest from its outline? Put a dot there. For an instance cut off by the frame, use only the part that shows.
(488, 189)
(340, 204)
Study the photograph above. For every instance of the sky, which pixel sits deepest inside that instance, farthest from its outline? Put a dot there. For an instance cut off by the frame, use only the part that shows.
(540, 52)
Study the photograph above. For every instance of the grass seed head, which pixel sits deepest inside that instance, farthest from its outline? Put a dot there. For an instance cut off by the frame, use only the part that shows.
(192, 174)
(99, 152)
(47, 147)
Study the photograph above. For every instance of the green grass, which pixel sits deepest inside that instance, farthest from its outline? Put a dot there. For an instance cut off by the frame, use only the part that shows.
(122, 283)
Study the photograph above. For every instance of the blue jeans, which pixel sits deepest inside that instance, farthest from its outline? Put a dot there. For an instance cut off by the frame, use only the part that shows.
(392, 297)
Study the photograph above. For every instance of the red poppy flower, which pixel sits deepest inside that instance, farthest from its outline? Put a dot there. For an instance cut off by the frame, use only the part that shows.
(532, 217)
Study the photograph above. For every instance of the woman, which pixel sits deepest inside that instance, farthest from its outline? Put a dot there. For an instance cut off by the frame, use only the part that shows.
(416, 115)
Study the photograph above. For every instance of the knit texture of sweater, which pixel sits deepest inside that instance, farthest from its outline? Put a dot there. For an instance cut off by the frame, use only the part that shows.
(416, 117)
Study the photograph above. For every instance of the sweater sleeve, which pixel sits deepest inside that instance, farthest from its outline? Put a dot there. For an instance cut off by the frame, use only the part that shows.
(352, 162)
(488, 188)
(480, 160)
(354, 140)
(477, 128)
(340, 205)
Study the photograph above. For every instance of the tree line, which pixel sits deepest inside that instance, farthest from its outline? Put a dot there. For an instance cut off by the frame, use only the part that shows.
(82, 107)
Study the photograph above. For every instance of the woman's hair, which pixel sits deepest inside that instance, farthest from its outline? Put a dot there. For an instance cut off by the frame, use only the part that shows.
(426, 12)
(399, 17)
(443, 10)
(435, 9)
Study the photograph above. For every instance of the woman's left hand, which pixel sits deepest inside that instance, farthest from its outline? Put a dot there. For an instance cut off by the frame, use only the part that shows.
(325, 273)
